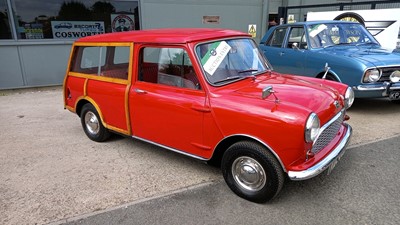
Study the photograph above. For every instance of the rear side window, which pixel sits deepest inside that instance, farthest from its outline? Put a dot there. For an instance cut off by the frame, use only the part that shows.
(110, 61)
(277, 38)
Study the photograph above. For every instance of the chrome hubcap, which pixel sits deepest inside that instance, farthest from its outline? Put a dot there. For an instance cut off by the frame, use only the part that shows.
(248, 173)
(92, 123)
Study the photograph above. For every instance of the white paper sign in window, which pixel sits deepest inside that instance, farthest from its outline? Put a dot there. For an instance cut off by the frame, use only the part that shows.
(214, 56)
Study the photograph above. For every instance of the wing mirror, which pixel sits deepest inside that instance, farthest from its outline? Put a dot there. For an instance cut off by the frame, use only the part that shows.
(295, 45)
(267, 91)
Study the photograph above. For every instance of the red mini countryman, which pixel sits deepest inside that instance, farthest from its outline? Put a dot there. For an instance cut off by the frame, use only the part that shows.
(209, 94)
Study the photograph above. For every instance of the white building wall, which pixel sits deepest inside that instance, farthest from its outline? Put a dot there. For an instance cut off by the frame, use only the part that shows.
(233, 14)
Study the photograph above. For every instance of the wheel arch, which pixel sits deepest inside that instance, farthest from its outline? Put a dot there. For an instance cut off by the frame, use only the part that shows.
(223, 145)
(332, 73)
(84, 100)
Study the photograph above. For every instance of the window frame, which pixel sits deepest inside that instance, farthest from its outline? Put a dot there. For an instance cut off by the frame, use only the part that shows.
(155, 81)
(74, 57)
(270, 40)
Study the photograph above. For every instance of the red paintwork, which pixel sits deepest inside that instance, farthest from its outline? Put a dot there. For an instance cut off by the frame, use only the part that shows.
(196, 121)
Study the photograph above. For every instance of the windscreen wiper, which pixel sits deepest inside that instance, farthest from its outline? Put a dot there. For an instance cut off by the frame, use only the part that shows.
(228, 79)
(249, 70)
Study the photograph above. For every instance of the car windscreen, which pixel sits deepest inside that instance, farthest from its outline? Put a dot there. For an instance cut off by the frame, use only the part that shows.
(225, 61)
(332, 34)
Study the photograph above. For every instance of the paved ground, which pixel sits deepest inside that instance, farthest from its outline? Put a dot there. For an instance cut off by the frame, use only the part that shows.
(363, 189)
(50, 171)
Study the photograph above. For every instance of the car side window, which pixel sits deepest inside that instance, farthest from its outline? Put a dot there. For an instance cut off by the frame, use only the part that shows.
(109, 62)
(277, 38)
(297, 38)
(167, 66)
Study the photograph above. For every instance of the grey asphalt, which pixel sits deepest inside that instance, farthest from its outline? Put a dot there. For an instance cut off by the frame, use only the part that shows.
(50, 172)
(363, 189)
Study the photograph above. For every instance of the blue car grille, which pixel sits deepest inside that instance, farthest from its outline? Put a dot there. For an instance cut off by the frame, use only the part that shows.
(386, 73)
(329, 131)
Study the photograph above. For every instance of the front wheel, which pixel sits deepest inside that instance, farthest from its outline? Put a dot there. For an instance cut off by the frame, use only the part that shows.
(252, 172)
(92, 124)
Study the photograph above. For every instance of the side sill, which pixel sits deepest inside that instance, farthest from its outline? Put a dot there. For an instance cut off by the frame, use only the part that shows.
(171, 149)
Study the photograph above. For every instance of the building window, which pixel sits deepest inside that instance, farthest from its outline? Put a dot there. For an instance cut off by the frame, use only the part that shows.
(64, 19)
(5, 32)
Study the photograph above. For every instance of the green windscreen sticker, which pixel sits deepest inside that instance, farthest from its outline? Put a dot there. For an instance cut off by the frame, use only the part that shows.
(214, 56)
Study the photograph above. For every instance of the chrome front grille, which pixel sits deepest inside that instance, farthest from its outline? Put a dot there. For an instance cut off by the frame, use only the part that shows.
(386, 73)
(328, 132)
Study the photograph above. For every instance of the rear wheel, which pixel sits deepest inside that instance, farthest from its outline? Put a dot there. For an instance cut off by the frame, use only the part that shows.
(92, 124)
(252, 172)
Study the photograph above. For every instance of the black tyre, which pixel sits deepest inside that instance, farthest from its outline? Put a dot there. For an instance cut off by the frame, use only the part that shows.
(92, 124)
(252, 172)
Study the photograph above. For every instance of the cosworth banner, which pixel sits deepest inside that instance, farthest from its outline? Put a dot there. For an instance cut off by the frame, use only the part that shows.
(76, 29)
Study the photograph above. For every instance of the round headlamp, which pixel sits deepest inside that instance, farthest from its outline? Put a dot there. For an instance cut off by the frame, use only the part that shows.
(349, 97)
(372, 75)
(395, 76)
(311, 130)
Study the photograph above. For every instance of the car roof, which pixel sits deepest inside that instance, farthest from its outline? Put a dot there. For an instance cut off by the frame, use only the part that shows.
(166, 35)
(318, 22)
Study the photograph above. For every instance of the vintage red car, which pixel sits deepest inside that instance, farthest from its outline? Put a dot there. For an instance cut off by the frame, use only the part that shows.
(209, 94)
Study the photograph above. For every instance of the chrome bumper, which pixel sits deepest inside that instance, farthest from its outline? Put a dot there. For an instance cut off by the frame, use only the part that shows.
(324, 164)
(385, 87)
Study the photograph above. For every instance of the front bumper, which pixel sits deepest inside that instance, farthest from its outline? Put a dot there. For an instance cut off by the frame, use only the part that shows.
(376, 90)
(324, 164)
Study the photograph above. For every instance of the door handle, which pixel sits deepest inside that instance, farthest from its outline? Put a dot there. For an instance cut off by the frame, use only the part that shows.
(200, 108)
(139, 91)
(281, 53)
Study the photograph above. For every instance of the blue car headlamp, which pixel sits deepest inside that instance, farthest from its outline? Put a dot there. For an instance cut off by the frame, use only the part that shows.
(372, 75)
(395, 76)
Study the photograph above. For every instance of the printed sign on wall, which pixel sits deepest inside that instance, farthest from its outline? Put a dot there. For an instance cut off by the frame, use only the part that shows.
(76, 29)
(253, 30)
(122, 22)
(33, 31)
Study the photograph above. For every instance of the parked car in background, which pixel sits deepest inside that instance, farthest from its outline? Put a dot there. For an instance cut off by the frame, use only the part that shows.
(63, 25)
(209, 94)
(351, 52)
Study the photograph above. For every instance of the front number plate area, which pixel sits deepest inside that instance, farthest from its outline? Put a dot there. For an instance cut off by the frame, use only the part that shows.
(334, 162)
(394, 95)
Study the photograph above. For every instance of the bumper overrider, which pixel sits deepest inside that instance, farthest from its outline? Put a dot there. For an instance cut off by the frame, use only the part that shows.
(327, 163)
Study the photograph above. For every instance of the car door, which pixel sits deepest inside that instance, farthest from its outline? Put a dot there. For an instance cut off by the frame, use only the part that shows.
(167, 103)
(287, 50)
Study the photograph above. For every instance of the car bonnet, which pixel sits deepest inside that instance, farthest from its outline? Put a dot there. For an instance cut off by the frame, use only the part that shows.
(371, 56)
(296, 92)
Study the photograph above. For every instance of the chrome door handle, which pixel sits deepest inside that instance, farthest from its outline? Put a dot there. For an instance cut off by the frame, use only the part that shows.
(139, 91)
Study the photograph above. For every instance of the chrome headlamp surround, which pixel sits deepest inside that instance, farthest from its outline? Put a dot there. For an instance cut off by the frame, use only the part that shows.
(348, 97)
(311, 130)
(372, 75)
(395, 76)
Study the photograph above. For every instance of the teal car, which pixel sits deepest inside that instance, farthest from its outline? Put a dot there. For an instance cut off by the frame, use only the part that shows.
(335, 50)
